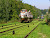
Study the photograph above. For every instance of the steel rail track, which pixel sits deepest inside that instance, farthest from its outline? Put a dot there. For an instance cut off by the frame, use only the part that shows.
(31, 31)
(12, 29)
(7, 27)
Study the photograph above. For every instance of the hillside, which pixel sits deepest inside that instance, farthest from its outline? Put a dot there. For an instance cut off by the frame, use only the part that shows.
(10, 9)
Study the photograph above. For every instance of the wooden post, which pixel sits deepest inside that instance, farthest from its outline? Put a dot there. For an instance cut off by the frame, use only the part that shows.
(13, 32)
(2, 26)
(28, 25)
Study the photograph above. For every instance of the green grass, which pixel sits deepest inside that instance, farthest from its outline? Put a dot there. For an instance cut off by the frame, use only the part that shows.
(6, 24)
(18, 24)
(42, 31)
(19, 32)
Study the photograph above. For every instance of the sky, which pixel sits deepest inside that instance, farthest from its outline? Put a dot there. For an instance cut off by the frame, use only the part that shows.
(41, 4)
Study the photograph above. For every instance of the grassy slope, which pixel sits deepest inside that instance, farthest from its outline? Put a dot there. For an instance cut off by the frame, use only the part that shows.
(42, 31)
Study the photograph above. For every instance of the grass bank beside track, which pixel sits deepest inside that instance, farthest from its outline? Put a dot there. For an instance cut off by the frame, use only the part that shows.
(42, 31)
(20, 32)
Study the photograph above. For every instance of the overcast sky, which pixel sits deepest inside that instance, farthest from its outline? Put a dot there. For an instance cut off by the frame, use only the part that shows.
(41, 4)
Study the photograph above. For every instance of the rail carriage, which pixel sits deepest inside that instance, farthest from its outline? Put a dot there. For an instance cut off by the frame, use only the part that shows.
(25, 16)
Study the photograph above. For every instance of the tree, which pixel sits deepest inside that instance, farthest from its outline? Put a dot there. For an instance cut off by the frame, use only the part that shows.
(49, 10)
(10, 10)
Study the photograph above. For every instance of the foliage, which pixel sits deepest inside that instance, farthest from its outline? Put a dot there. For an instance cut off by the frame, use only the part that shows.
(10, 9)
(48, 17)
(44, 11)
(49, 10)
(42, 30)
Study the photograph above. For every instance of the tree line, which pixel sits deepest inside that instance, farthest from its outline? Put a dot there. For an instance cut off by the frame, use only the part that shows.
(10, 10)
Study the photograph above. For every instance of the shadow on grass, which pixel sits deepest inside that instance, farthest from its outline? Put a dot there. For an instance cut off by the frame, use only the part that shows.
(44, 23)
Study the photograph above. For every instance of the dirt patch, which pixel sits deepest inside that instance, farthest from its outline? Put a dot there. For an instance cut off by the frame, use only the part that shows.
(42, 35)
